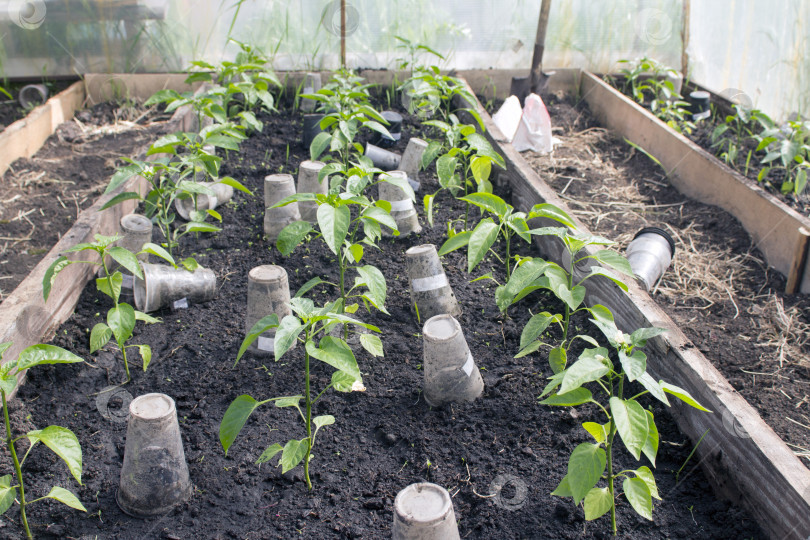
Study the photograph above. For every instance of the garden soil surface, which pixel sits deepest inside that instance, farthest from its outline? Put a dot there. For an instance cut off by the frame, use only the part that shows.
(11, 110)
(384, 439)
(718, 290)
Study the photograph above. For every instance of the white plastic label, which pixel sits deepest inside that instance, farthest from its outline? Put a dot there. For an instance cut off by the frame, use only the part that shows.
(469, 364)
(180, 304)
(127, 281)
(429, 283)
(702, 115)
(266, 344)
(401, 206)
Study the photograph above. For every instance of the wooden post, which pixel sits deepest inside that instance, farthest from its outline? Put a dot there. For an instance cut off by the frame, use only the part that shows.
(799, 261)
(539, 47)
(343, 33)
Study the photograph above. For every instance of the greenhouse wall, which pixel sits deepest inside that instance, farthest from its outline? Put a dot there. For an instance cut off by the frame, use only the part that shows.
(726, 39)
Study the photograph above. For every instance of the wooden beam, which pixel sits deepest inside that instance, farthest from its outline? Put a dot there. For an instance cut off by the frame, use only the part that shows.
(698, 174)
(741, 455)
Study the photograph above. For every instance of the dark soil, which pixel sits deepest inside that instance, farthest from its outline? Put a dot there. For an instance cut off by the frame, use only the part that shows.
(11, 110)
(43, 196)
(737, 326)
(383, 438)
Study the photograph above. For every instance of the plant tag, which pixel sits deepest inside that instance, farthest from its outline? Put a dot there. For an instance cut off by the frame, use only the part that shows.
(266, 344)
(430, 283)
(180, 304)
(701, 116)
(401, 206)
(127, 281)
(469, 365)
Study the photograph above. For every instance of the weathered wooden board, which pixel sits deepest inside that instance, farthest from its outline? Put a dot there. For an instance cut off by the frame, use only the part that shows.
(26, 136)
(138, 86)
(741, 455)
(773, 225)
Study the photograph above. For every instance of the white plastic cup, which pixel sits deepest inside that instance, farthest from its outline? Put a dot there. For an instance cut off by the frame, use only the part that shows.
(163, 285)
(136, 231)
(268, 292)
(431, 293)
(450, 371)
(412, 161)
(650, 254)
(424, 511)
(276, 188)
(308, 183)
(222, 194)
(154, 476)
(312, 83)
(402, 208)
(32, 95)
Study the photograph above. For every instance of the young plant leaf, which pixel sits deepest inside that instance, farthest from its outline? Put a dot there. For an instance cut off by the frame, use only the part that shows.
(631, 422)
(569, 399)
(639, 497)
(262, 325)
(597, 431)
(558, 359)
(157, 251)
(292, 235)
(334, 225)
(234, 420)
(481, 239)
(288, 331)
(682, 394)
(323, 420)
(650, 448)
(127, 259)
(372, 344)
(269, 453)
(7, 493)
(294, 451)
(646, 474)
(321, 142)
(653, 387)
(121, 320)
(613, 260)
(37, 355)
(103, 285)
(634, 365)
(146, 355)
(563, 489)
(589, 367)
(336, 353)
(455, 242)
(50, 274)
(598, 502)
(64, 444)
(308, 286)
(489, 202)
(99, 336)
(66, 497)
(585, 468)
(377, 288)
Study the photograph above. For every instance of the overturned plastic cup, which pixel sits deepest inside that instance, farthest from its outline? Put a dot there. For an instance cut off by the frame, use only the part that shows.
(424, 511)
(431, 293)
(450, 372)
(308, 183)
(136, 231)
(154, 476)
(222, 194)
(163, 286)
(650, 254)
(268, 292)
(276, 188)
(312, 83)
(312, 127)
(32, 95)
(394, 127)
(699, 102)
(381, 158)
(412, 161)
(402, 208)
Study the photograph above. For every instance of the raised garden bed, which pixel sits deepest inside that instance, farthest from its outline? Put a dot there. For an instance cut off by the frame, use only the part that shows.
(384, 438)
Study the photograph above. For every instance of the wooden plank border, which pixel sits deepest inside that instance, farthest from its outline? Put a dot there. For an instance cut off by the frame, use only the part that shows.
(696, 173)
(740, 454)
(26, 136)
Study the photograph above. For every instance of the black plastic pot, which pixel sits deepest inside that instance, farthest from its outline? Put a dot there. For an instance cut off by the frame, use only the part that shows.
(311, 128)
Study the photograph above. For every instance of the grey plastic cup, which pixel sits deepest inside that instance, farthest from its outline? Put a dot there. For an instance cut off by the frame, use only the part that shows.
(136, 231)
(450, 371)
(431, 293)
(276, 188)
(424, 511)
(154, 476)
(402, 208)
(312, 83)
(382, 159)
(268, 292)
(163, 285)
(222, 194)
(650, 254)
(308, 183)
(412, 161)
(32, 95)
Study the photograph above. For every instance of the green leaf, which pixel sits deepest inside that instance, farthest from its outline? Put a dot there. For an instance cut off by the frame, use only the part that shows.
(37, 355)
(572, 297)
(445, 170)
(342, 381)
(99, 336)
(336, 353)
(121, 176)
(489, 202)
(638, 495)
(65, 496)
(373, 344)
(613, 260)
(597, 431)
(103, 285)
(121, 197)
(535, 327)
(228, 181)
(557, 359)
(589, 367)
(650, 448)
(146, 355)
(598, 502)
(481, 239)
(654, 388)
(682, 394)
(585, 468)
(234, 420)
(121, 320)
(292, 235)
(634, 365)
(127, 259)
(64, 444)
(375, 281)
(563, 489)
(550, 211)
(190, 264)
(631, 422)
(287, 332)
(455, 242)
(599, 271)
(7, 496)
(50, 274)
(197, 226)
(261, 326)
(294, 451)
(309, 285)
(356, 251)
(156, 250)
(334, 225)
(323, 420)
(569, 399)
(481, 167)
(269, 453)
(320, 143)
(646, 474)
